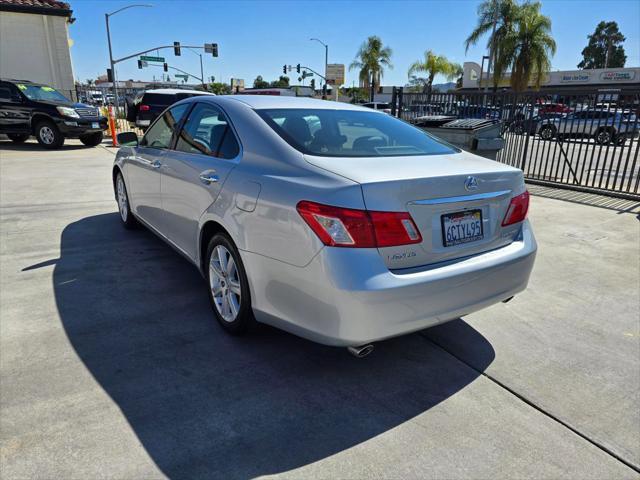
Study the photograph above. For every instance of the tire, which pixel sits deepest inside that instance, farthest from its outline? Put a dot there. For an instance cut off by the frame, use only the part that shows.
(48, 135)
(518, 129)
(603, 136)
(547, 132)
(124, 207)
(92, 139)
(18, 137)
(228, 287)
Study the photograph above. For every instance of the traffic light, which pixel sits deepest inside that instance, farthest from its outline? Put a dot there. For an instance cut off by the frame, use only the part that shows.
(166, 67)
(140, 64)
(298, 68)
(176, 49)
(284, 69)
(214, 49)
(313, 83)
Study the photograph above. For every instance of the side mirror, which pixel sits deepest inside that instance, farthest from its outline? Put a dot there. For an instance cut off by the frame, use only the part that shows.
(127, 139)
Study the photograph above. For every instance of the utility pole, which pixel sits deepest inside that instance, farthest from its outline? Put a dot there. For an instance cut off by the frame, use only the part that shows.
(111, 62)
(326, 63)
(201, 69)
(493, 45)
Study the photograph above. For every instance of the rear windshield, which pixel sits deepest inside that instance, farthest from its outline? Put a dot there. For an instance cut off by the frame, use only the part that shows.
(351, 133)
(159, 99)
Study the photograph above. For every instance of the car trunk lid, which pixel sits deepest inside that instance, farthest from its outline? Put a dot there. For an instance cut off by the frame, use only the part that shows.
(450, 198)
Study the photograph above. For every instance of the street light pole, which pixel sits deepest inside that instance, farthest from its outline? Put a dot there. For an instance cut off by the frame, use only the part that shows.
(201, 69)
(111, 62)
(326, 63)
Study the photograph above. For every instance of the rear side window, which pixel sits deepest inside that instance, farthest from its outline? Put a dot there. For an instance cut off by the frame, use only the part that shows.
(159, 99)
(207, 132)
(5, 93)
(160, 133)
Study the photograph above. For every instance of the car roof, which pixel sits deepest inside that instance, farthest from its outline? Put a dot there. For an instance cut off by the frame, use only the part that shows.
(12, 80)
(174, 91)
(259, 102)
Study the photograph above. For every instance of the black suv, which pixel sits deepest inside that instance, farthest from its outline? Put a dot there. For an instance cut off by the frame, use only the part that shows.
(28, 108)
(148, 105)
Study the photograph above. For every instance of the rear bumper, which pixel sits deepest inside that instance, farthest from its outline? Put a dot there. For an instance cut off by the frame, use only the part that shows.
(349, 297)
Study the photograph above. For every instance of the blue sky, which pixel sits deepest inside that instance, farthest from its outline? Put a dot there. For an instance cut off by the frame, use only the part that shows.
(258, 37)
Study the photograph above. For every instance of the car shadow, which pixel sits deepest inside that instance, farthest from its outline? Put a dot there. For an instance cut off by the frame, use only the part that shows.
(208, 405)
(34, 146)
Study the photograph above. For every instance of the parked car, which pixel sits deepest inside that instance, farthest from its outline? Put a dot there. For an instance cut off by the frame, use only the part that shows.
(532, 125)
(334, 222)
(384, 106)
(28, 108)
(545, 108)
(602, 125)
(149, 104)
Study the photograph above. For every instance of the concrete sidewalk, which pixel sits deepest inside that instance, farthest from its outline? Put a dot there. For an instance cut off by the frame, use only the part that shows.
(112, 366)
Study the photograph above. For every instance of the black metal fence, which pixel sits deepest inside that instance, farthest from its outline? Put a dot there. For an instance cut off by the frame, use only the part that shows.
(584, 140)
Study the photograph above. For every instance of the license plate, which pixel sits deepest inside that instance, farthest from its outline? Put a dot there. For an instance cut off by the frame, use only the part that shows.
(95, 125)
(461, 227)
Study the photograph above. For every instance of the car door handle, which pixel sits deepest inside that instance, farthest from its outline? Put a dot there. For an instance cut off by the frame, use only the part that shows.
(155, 164)
(209, 177)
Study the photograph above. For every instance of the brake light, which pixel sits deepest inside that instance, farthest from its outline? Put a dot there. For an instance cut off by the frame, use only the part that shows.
(144, 108)
(348, 227)
(517, 210)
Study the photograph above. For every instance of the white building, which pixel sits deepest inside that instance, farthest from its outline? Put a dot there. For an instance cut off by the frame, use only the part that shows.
(600, 78)
(34, 42)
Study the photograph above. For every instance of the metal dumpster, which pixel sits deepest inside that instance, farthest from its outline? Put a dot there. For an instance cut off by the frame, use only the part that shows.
(479, 136)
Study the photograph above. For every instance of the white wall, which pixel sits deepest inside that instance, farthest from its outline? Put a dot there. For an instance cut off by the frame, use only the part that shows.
(36, 47)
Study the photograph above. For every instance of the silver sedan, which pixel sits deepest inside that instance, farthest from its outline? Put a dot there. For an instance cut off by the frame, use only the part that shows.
(334, 222)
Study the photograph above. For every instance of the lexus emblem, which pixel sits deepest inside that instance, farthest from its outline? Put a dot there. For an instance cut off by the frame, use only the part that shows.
(471, 183)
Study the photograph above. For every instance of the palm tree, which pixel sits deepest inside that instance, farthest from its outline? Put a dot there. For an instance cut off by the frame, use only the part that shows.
(434, 65)
(528, 48)
(497, 17)
(371, 59)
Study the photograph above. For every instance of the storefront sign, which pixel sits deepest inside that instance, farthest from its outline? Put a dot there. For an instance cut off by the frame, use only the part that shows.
(617, 76)
(575, 78)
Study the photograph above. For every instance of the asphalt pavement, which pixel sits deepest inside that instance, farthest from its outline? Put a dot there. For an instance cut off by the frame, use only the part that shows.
(112, 366)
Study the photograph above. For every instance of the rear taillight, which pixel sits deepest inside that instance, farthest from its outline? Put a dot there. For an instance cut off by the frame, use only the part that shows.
(517, 210)
(144, 108)
(348, 227)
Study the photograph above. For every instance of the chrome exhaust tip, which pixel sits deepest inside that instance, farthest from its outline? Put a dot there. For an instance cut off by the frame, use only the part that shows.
(361, 352)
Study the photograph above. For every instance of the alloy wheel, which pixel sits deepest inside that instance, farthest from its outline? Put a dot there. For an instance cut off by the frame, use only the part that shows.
(46, 135)
(604, 137)
(123, 203)
(224, 282)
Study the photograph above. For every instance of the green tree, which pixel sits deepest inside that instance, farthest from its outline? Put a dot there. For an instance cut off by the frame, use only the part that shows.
(433, 65)
(220, 88)
(604, 49)
(497, 17)
(259, 82)
(417, 84)
(527, 49)
(357, 94)
(370, 61)
(282, 82)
